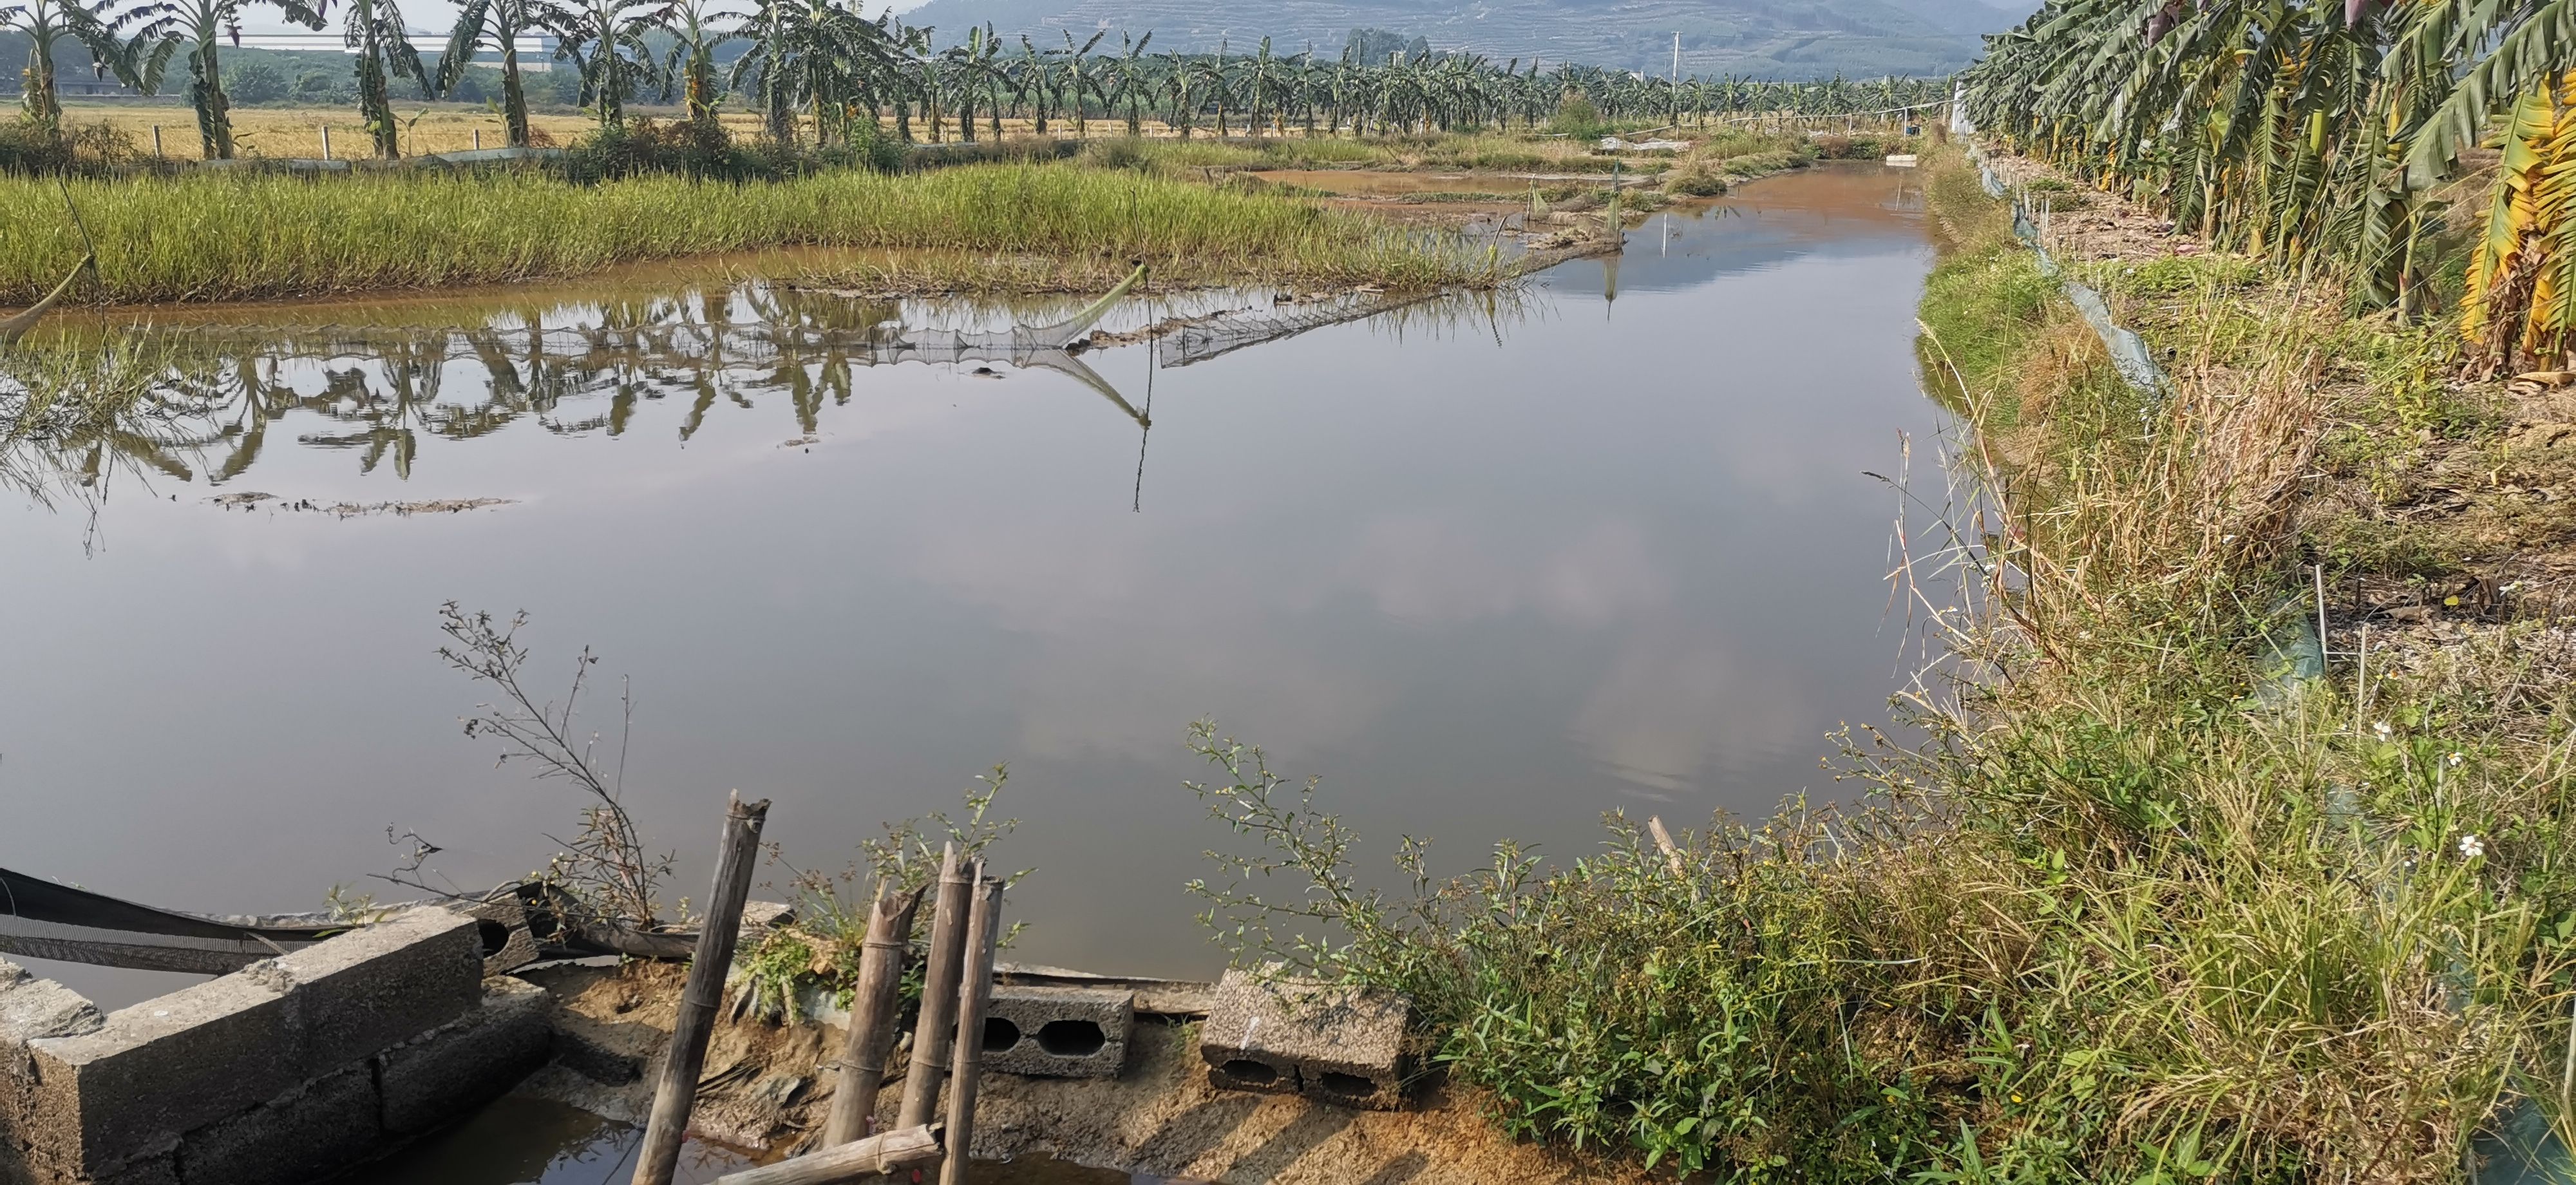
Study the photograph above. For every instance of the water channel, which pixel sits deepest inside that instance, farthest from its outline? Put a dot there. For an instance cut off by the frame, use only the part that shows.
(1490, 566)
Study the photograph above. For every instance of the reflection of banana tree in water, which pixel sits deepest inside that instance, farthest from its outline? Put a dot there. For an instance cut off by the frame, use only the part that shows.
(392, 420)
(73, 418)
(386, 387)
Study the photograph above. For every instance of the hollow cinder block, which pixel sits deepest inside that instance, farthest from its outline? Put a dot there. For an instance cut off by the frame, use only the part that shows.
(359, 993)
(502, 924)
(1334, 1044)
(1058, 1032)
(438, 1076)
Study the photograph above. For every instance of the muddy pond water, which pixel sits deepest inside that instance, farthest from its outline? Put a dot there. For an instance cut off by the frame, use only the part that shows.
(1490, 566)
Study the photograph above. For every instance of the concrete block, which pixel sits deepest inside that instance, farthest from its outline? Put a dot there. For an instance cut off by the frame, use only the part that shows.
(1058, 1032)
(326, 1124)
(435, 1078)
(1339, 1045)
(760, 917)
(507, 942)
(372, 988)
(162, 1067)
(159, 1166)
(1250, 1070)
(30, 1009)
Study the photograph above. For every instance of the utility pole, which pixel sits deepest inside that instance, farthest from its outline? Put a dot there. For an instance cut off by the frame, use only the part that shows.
(1677, 55)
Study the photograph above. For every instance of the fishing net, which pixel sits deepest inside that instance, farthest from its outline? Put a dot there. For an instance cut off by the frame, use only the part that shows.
(1200, 340)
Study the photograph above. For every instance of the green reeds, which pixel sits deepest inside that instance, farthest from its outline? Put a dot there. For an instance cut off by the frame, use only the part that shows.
(216, 236)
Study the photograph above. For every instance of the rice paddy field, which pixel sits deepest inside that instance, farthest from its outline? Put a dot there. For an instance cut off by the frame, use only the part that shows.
(243, 236)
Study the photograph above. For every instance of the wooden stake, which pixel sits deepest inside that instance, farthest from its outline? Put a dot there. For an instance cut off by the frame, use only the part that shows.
(984, 931)
(677, 1091)
(903, 1148)
(930, 1041)
(871, 1036)
(326, 141)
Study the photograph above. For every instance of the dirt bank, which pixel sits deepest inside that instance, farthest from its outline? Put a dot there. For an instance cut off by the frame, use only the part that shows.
(764, 1095)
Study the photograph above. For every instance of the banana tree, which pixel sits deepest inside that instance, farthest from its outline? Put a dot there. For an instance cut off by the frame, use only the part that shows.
(48, 26)
(692, 60)
(165, 27)
(1215, 82)
(374, 31)
(604, 42)
(820, 55)
(1083, 80)
(1131, 80)
(500, 23)
(1260, 78)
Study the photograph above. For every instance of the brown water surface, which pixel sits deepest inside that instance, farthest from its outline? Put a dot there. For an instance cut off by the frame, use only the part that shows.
(1493, 567)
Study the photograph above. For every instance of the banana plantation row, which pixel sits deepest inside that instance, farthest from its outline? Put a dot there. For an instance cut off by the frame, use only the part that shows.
(825, 72)
(2329, 135)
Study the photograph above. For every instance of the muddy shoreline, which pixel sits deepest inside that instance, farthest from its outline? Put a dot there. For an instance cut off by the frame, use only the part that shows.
(765, 1094)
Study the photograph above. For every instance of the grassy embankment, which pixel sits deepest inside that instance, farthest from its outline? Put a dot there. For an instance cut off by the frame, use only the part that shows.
(2133, 913)
(1045, 226)
(202, 237)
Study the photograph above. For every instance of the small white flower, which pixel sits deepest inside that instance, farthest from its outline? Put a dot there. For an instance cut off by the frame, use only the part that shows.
(2471, 847)
(2456, 758)
(2383, 730)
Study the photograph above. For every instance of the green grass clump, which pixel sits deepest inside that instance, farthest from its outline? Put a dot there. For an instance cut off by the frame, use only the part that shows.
(1981, 310)
(214, 236)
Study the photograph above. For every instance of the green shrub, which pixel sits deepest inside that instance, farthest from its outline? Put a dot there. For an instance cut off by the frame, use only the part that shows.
(33, 149)
(1577, 117)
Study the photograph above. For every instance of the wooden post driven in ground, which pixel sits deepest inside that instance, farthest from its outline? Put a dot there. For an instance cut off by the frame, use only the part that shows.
(902, 1148)
(974, 995)
(930, 1041)
(677, 1091)
(871, 1037)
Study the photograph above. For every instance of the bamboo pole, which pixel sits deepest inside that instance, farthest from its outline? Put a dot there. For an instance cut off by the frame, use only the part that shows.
(871, 1036)
(1664, 841)
(902, 1148)
(984, 931)
(677, 1091)
(929, 1067)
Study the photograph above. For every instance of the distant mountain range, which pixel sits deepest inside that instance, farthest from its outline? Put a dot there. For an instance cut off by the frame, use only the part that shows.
(1761, 38)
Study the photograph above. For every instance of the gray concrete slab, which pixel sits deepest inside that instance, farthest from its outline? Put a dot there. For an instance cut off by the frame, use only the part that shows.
(299, 1136)
(436, 1078)
(162, 1067)
(359, 993)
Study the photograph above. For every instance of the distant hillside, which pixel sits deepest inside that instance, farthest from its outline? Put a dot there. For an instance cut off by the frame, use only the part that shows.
(1763, 38)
